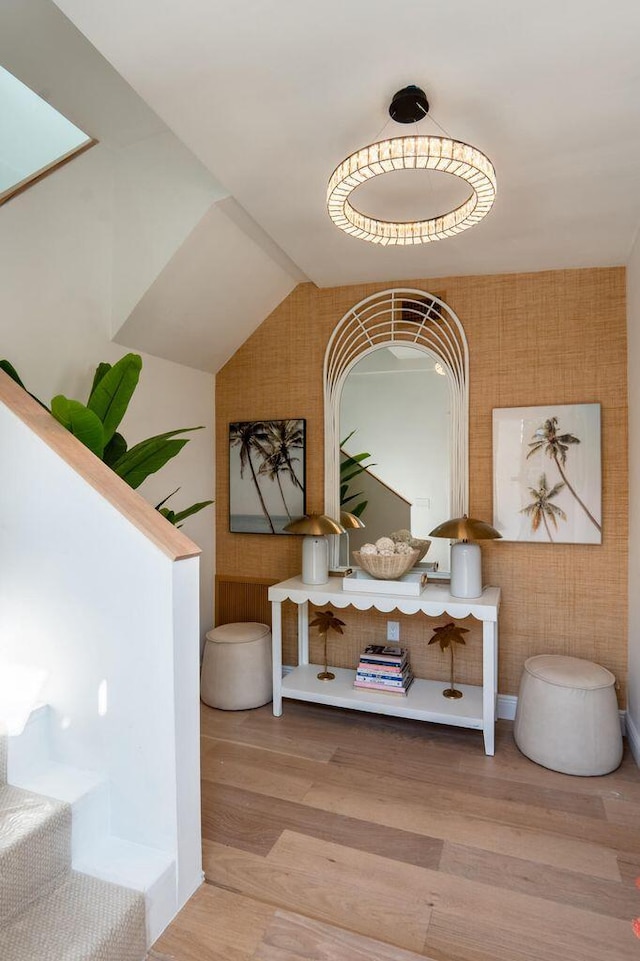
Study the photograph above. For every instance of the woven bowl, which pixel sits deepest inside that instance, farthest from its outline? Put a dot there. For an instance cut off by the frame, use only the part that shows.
(422, 547)
(386, 567)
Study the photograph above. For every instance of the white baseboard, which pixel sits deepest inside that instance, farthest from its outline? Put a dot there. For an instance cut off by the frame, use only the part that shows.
(506, 711)
(633, 737)
(507, 704)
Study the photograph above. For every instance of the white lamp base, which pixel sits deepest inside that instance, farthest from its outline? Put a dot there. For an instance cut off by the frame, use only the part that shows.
(466, 570)
(315, 559)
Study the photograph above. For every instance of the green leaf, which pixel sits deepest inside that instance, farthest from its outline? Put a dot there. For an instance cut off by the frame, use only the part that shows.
(12, 372)
(360, 509)
(101, 370)
(189, 511)
(351, 497)
(114, 450)
(165, 499)
(346, 477)
(149, 456)
(9, 369)
(352, 459)
(111, 396)
(145, 459)
(80, 421)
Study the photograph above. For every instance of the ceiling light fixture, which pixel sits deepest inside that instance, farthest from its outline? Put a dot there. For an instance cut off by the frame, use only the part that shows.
(411, 153)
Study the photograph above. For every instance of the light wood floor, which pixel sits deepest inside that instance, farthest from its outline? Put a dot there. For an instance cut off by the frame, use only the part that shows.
(337, 836)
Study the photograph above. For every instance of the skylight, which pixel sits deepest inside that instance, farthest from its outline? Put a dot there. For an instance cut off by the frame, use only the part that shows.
(35, 140)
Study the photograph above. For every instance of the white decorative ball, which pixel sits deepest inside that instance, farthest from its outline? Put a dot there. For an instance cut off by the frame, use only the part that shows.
(403, 548)
(385, 553)
(368, 549)
(401, 536)
(385, 544)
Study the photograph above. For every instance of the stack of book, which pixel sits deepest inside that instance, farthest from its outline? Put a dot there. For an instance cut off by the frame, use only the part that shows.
(384, 668)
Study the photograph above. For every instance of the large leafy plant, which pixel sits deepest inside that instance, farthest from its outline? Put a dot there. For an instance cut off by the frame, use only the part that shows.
(96, 423)
(351, 466)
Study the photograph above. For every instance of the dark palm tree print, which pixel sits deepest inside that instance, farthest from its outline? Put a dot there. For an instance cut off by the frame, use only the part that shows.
(547, 440)
(251, 437)
(283, 437)
(541, 510)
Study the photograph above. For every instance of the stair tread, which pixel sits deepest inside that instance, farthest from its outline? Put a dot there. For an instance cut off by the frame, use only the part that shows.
(124, 862)
(35, 847)
(82, 919)
(61, 781)
(21, 812)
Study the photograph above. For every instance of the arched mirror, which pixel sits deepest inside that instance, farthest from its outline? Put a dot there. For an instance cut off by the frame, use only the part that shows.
(395, 377)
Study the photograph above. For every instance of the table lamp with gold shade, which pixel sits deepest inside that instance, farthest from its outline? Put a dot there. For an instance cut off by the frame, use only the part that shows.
(466, 556)
(315, 549)
(350, 523)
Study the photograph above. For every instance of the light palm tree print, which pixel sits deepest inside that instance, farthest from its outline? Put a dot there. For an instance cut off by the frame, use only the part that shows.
(549, 441)
(541, 510)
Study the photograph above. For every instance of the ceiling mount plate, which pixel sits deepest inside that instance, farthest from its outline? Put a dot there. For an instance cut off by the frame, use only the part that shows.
(409, 105)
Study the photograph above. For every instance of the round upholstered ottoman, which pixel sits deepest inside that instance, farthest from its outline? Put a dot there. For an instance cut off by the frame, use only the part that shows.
(567, 716)
(236, 668)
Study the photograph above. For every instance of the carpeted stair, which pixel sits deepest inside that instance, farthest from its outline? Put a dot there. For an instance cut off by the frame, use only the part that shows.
(47, 911)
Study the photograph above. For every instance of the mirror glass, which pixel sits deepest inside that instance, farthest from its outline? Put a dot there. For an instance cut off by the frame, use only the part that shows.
(395, 405)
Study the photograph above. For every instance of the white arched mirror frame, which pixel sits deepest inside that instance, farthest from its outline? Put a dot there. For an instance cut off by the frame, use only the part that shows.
(413, 318)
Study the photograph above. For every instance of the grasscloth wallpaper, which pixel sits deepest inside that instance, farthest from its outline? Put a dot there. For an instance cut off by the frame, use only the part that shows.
(556, 337)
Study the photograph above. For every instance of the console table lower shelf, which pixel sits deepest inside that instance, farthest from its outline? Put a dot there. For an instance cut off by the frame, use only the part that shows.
(424, 700)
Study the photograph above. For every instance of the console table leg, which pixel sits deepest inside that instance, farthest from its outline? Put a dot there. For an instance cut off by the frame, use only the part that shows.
(489, 683)
(303, 633)
(276, 655)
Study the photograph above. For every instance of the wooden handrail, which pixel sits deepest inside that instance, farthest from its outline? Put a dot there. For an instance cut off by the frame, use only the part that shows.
(126, 501)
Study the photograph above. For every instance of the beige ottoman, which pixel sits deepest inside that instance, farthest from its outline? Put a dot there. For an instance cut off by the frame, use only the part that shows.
(567, 716)
(236, 668)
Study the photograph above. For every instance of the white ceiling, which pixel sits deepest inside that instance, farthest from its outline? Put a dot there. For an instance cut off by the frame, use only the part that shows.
(272, 94)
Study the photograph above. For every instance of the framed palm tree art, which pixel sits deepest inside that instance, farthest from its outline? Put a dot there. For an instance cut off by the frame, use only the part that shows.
(266, 475)
(547, 474)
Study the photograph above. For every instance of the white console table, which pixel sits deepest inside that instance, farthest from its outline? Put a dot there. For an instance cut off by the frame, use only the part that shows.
(424, 701)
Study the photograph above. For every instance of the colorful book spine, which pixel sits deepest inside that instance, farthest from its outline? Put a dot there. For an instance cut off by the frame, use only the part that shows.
(377, 679)
(382, 653)
(375, 663)
(390, 669)
(382, 688)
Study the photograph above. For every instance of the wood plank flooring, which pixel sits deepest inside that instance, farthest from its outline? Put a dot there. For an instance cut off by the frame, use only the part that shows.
(338, 836)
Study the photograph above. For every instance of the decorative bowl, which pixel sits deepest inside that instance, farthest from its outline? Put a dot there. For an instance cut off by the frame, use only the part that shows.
(386, 567)
(422, 546)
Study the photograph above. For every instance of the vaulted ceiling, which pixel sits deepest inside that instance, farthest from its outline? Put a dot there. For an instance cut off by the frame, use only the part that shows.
(272, 94)
(219, 124)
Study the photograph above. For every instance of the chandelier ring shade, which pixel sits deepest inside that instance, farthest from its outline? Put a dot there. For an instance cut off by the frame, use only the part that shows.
(412, 153)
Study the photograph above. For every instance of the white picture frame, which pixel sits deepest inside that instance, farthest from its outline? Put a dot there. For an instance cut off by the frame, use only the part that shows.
(547, 473)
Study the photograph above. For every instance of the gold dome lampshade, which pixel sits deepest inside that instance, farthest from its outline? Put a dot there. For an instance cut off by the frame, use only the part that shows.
(315, 550)
(466, 557)
(351, 522)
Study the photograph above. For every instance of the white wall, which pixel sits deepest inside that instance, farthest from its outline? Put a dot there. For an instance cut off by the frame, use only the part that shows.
(633, 333)
(55, 323)
(111, 620)
(402, 418)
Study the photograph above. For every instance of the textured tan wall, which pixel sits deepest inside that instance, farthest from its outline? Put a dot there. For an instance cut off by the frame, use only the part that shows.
(556, 337)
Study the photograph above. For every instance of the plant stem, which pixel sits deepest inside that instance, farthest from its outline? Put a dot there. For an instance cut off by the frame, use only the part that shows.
(546, 527)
